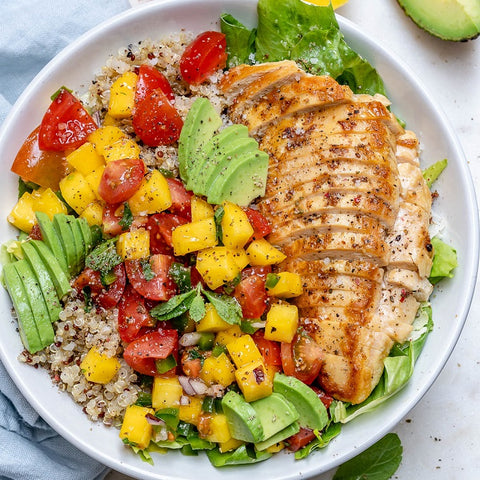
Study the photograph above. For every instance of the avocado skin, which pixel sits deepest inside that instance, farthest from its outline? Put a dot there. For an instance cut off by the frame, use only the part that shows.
(51, 239)
(460, 27)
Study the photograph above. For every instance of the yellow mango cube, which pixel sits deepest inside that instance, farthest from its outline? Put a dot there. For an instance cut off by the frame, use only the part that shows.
(218, 370)
(109, 121)
(22, 215)
(240, 256)
(218, 430)
(275, 448)
(191, 412)
(200, 209)
(212, 322)
(98, 367)
(93, 214)
(153, 196)
(48, 202)
(254, 381)
(229, 445)
(243, 351)
(217, 266)
(282, 323)
(135, 426)
(76, 191)
(226, 336)
(123, 148)
(104, 136)
(236, 228)
(134, 245)
(94, 178)
(122, 95)
(289, 285)
(262, 253)
(85, 159)
(166, 392)
(194, 236)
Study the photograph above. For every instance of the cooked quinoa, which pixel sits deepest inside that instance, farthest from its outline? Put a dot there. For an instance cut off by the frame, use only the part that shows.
(77, 330)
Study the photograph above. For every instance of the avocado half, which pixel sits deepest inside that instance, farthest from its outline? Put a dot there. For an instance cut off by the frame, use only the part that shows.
(455, 20)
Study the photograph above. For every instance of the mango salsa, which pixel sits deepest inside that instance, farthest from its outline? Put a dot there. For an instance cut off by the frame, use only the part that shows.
(135, 426)
(98, 367)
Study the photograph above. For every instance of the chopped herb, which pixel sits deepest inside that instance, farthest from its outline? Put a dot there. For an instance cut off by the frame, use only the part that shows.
(227, 307)
(87, 296)
(147, 270)
(24, 187)
(181, 276)
(174, 307)
(197, 308)
(144, 399)
(127, 217)
(104, 257)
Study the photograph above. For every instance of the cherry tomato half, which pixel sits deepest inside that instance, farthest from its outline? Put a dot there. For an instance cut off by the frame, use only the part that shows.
(261, 226)
(252, 296)
(269, 349)
(66, 124)
(149, 78)
(160, 226)
(300, 439)
(203, 57)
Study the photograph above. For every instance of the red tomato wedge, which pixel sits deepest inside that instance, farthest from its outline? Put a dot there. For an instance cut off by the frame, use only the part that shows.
(181, 199)
(252, 296)
(65, 125)
(121, 179)
(45, 168)
(161, 226)
(112, 214)
(161, 286)
(203, 57)
(132, 315)
(156, 121)
(269, 349)
(260, 224)
(143, 351)
(149, 78)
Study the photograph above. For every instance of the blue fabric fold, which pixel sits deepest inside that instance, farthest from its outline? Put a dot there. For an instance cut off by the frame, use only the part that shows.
(32, 32)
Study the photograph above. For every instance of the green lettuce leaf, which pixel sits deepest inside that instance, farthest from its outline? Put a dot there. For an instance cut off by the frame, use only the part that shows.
(241, 41)
(444, 261)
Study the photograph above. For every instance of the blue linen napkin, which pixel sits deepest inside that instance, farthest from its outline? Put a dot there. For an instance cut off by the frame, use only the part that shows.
(32, 32)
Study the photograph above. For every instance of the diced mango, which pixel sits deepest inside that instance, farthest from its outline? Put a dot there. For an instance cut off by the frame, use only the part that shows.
(104, 136)
(200, 209)
(93, 213)
(194, 236)
(229, 445)
(122, 95)
(262, 253)
(289, 285)
(123, 148)
(253, 381)
(49, 203)
(109, 121)
(275, 448)
(98, 367)
(212, 322)
(191, 412)
(217, 266)
(166, 392)
(76, 191)
(94, 178)
(22, 215)
(218, 430)
(85, 159)
(134, 245)
(241, 257)
(243, 350)
(227, 336)
(236, 229)
(282, 323)
(153, 196)
(135, 426)
(218, 370)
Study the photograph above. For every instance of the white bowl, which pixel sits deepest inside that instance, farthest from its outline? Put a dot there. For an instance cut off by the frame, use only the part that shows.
(75, 67)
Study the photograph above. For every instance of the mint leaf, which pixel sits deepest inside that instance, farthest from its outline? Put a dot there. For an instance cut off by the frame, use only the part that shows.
(197, 308)
(227, 307)
(379, 462)
(181, 276)
(104, 257)
(127, 217)
(174, 307)
(147, 270)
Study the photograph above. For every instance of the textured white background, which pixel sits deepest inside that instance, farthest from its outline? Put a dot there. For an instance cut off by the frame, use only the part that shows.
(441, 435)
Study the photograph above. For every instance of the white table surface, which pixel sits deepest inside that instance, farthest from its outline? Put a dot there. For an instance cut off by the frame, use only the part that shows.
(441, 435)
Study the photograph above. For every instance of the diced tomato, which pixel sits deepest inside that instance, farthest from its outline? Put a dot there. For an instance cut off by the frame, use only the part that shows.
(161, 286)
(302, 358)
(35, 232)
(181, 199)
(143, 351)
(190, 366)
(161, 226)
(112, 214)
(261, 272)
(269, 349)
(45, 168)
(300, 439)
(261, 226)
(149, 78)
(196, 278)
(90, 278)
(203, 57)
(252, 296)
(323, 396)
(156, 121)
(66, 124)
(132, 315)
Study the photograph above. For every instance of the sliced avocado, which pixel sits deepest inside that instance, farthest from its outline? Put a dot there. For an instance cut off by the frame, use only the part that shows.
(456, 20)
(36, 301)
(62, 227)
(26, 323)
(210, 155)
(57, 274)
(44, 279)
(239, 456)
(87, 235)
(200, 124)
(242, 418)
(275, 413)
(79, 244)
(50, 237)
(242, 181)
(279, 437)
(313, 413)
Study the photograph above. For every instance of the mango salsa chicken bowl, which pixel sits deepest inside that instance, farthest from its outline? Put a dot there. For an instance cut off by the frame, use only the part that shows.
(224, 240)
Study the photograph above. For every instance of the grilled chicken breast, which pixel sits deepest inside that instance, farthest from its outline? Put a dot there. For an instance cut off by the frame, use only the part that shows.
(349, 207)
